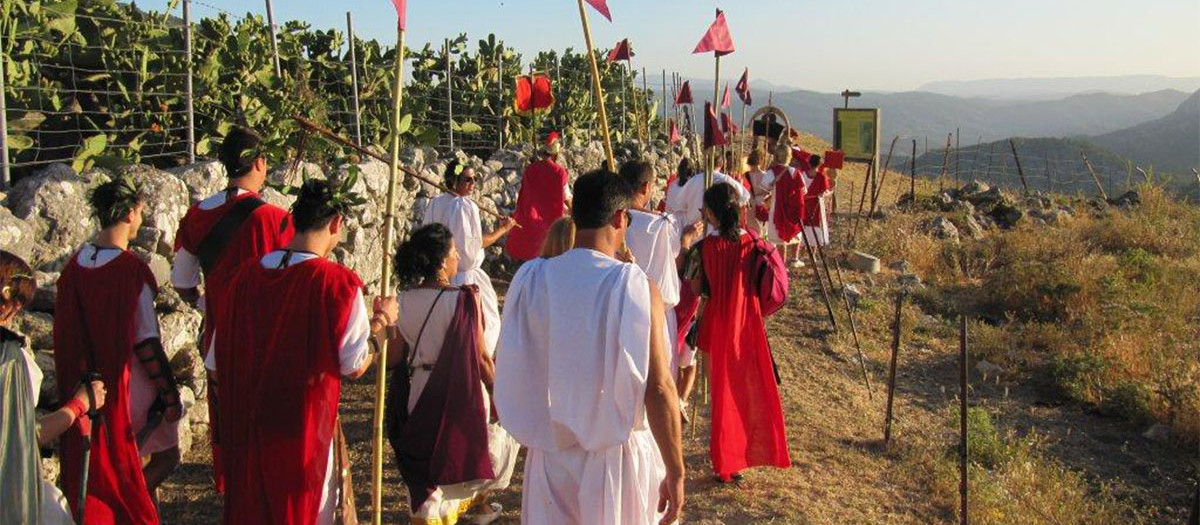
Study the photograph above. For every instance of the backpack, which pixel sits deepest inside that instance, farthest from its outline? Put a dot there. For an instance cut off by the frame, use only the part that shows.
(769, 276)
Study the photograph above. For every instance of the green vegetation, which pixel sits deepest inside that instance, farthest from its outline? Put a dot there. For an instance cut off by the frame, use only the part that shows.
(105, 82)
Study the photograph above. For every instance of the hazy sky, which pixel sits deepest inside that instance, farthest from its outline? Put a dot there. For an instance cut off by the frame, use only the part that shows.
(826, 46)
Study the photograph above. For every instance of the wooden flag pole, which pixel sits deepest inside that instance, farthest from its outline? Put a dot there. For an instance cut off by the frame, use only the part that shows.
(386, 283)
(596, 87)
(712, 153)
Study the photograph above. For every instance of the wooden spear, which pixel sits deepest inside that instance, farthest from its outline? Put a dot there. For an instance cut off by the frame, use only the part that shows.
(389, 226)
(338, 139)
(587, 37)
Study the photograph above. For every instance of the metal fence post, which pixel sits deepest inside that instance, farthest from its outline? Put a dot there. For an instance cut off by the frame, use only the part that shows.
(500, 98)
(354, 79)
(449, 97)
(5, 176)
(274, 44)
(189, 97)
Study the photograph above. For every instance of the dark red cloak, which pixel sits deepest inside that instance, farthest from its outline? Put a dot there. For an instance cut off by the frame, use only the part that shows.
(539, 203)
(277, 364)
(812, 199)
(94, 322)
(266, 230)
(444, 440)
(789, 203)
(747, 415)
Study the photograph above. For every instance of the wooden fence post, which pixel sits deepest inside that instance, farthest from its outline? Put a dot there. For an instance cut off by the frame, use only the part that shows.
(1017, 160)
(945, 164)
(1095, 179)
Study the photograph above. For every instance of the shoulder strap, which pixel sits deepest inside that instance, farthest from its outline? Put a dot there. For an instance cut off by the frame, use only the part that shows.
(412, 354)
(213, 245)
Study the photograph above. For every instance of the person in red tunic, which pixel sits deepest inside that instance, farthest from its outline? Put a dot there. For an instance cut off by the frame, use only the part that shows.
(747, 415)
(544, 197)
(817, 186)
(787, 206)
(293, 325)
(207, 255)
(105, 328)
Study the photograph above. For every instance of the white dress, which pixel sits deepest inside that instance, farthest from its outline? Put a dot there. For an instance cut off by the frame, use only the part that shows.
(571, 373)
(816, 233)
(654, 241)
(448, 501)
(461, 216)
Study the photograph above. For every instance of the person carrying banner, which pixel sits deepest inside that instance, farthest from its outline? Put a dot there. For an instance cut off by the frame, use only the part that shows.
(293, 325)
(545, 196)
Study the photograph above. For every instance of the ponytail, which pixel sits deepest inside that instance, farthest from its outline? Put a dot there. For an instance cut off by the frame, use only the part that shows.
(721, 201)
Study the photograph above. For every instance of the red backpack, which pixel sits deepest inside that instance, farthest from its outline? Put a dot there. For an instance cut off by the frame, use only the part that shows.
(769, 276)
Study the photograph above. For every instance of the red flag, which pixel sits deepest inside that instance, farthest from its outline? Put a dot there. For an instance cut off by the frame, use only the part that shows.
(726, 100)
(401, 13)
(743, 88)
(685, 93)
(674, 132)
(622, 51)
(834, 159)
(727, 124)
(601, 7)
(712, 133)
(533, 93)
(717, 38)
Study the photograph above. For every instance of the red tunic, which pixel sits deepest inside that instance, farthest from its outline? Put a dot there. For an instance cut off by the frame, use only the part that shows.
(789, 203)
(277, 363)
(747, 416)
(539, 203)
(266, 229)
(814, 216)
(94, 323)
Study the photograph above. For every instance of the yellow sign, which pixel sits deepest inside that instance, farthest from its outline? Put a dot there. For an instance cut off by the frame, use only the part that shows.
(856, 132)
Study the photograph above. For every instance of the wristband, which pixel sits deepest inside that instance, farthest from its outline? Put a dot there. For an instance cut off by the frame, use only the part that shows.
(76, 407)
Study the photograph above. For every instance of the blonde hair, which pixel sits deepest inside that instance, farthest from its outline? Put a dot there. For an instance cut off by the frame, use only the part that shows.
(559, 239)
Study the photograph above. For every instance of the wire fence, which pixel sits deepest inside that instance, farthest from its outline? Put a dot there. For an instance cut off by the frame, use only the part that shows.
(105, 83)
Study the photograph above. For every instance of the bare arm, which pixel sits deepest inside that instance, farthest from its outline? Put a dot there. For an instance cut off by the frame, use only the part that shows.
(52, 425)
(502, 229)
(662, 411)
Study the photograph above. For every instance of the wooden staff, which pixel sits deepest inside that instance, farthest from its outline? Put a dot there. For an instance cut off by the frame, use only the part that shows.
(962, 420)
(812, 259)
(883, 177)
(587, 36)
(862, 360)
(334, 137)
(1017, 159)
(1099, 186)
(712, 153)
(386, 279)
(891, 386)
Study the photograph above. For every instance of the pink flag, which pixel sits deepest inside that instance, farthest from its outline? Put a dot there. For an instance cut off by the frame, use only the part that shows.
(717, 38)
(622, 51)
(402, 13)
(674, 132)
(602, 7)
(726, 100)
(743, 88)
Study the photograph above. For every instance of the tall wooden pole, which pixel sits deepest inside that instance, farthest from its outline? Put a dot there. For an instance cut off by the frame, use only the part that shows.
(386, 283)
(962, 420)
(712, 154)
(274, 40)
(891, 387)
(1097, 179)
(596, 87)
(912, 176)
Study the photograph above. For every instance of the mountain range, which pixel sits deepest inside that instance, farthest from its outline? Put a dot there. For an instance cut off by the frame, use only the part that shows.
(1056, 88)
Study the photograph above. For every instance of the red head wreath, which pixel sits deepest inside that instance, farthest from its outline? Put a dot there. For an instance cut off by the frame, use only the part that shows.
(553, 143)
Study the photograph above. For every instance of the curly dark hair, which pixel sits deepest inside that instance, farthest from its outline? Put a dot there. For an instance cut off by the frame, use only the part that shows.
(420, 257)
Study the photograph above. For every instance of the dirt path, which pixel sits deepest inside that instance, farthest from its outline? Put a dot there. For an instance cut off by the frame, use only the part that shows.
(841, 473)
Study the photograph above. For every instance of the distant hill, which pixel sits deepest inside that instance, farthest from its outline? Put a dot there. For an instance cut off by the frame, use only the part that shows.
(920, 114)
(1056, 88)
(1171, 143)
(1049, 164)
